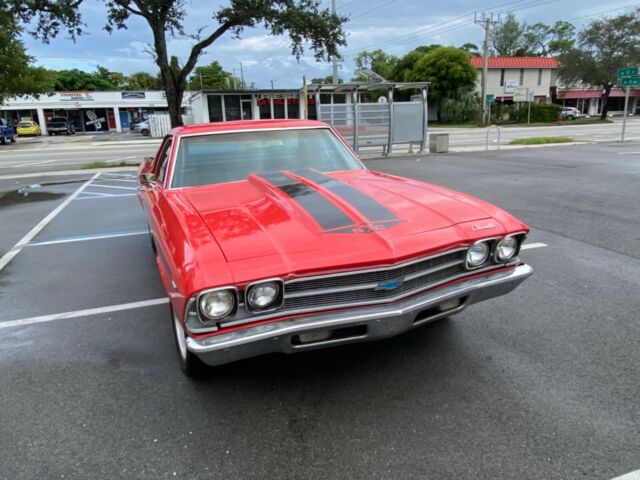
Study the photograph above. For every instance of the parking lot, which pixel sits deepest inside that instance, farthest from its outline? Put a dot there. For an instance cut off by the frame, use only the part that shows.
(540, 384)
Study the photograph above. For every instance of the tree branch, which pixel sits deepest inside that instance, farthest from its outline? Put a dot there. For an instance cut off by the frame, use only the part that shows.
(200, 46)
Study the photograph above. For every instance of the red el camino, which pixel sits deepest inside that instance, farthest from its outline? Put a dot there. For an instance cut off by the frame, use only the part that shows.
(272, 236)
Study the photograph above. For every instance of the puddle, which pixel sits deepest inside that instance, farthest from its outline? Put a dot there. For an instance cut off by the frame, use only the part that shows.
(24, 195)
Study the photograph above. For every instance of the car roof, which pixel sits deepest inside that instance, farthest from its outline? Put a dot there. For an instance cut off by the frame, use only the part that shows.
(241, 125)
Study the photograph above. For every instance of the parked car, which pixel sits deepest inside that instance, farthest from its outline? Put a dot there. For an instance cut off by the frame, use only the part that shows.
(6, 132)
(272, 236)
(60, 126)
(571, 113)
(143, 128)
(28, 128)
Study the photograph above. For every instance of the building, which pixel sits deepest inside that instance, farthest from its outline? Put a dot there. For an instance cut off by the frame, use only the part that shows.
(589, 100)
(510, 78)
(118, 111)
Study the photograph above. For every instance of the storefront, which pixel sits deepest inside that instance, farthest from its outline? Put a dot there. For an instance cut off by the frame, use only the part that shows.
(91, 112)
(589, 101)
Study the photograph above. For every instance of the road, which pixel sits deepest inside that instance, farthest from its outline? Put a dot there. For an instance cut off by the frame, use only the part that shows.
(70, 153)
(540, 384)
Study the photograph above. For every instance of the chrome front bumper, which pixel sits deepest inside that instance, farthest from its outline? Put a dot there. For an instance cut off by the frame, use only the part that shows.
(354, 324)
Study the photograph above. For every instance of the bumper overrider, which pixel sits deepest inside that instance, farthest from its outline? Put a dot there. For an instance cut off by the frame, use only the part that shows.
(355, 324)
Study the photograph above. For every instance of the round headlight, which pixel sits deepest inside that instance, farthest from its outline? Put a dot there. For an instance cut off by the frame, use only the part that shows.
(217, 304)
(477, 254)
(506, 248)
(263, 295)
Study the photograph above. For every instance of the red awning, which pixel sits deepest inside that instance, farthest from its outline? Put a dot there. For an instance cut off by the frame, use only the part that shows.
(576, 94)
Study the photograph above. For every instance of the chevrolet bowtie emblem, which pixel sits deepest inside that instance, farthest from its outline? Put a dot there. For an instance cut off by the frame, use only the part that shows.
(390, 284)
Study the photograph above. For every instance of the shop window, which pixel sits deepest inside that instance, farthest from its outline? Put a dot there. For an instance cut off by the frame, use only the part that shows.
(521, 77)
(293, 108)
(232, 108)
(215, 108)
(278, 108)
(539, 76)
(502, 77)
(264, 104)
(339, 98)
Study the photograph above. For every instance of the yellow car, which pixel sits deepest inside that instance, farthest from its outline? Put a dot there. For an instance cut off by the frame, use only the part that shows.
(28, 128)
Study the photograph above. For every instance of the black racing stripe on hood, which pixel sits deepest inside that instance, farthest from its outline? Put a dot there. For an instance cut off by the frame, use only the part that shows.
(327, 214)
(370, 208)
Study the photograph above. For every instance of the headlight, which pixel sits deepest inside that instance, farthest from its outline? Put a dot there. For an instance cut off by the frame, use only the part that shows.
(263, 295)
(506, 248)
(477, 254)
(217, 303)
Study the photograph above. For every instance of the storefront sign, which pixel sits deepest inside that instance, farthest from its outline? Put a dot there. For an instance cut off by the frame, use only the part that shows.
(132, 95)
(94, 120)
(76, 97)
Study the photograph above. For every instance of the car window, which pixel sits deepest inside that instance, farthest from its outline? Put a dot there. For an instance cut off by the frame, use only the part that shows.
(24, 124)
(163, 160)
(228, 157)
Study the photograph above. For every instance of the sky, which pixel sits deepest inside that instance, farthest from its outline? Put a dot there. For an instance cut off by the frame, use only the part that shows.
(395, 26)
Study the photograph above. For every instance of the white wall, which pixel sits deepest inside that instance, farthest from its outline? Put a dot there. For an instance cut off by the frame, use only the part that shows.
(530, 81)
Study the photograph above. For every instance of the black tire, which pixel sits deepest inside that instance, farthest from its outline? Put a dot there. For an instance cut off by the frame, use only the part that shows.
(152, 241)
(190, 364)
(145, 132)
(571, 117)
(13, 139)
(3, 141)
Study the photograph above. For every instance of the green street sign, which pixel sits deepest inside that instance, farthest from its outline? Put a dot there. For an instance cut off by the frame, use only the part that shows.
(490, 98)
(628, 72)
(629, 81)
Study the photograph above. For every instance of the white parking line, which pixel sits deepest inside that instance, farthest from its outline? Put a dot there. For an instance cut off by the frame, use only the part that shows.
(112, 186)
(117, 180)
(529, 246)
(630, 476)
(7, 257)
(82, 313)
(86, 238)
(106, 197)
(87, 193)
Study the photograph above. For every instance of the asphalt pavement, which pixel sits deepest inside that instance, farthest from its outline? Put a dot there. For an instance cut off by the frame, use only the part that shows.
(540, 384)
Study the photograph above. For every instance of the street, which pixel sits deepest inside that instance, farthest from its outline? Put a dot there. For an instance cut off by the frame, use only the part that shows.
(540, 384)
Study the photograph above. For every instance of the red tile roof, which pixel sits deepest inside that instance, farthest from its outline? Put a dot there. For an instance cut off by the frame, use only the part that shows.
(516, 62)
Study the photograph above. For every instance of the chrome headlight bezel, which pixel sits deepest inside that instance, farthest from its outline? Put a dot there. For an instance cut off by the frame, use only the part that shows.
(232, 291)
(473, 265)
(277, 301)
(516, 248)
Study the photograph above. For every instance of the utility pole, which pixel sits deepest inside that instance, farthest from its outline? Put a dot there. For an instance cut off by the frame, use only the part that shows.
(201, 87)
(485, 21)
(305, 95)
(241, 76)
(335, 60)
(626, 109)
(271, 84)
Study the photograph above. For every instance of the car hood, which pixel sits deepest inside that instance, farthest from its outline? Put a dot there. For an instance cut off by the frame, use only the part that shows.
(304, 220)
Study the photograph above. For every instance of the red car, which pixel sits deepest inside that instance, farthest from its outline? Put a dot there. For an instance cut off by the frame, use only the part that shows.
(272, 236)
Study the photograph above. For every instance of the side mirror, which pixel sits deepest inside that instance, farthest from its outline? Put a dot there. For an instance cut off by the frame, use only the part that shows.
(146, 178)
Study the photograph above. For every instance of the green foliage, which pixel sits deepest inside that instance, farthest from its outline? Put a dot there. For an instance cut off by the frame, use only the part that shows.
(213, 76)
(403, 69)
(512, 38)
(605, 45)
(450, 73)
(68, 80)
(540, 140)
(328, 80)
(116, 80)
(540, 113)
(143, 81)
(464, 109)
(378, 61)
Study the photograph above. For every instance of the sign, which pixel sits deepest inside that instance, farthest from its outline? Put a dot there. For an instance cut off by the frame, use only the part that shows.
(629, 81)
(523, 94)
(76, 97)
(491, 98)
(628, 72)
(510, 86)
(132, 95)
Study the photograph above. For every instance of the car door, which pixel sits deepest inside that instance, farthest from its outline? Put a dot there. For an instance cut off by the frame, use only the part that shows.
(153, 189)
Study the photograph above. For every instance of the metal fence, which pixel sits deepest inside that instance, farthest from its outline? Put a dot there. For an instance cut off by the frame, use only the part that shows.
(385, 124)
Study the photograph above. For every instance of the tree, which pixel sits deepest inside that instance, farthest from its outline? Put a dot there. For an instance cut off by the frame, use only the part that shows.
(450, 72)
(17, 76)
(403, 68)
(116, 80)
(213, 76)
(604, 46)
(471, 48)
(377, 61)
(544, 40)
(506, 37)
(70, 80)
(328, 80)
(302, 20)
(143, 81)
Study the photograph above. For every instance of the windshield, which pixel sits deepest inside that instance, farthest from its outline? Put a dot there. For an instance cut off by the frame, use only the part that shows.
(229, 157)
(24, 124)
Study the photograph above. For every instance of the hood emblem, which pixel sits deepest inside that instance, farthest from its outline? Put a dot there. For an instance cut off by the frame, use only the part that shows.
(390, 284)
(477, 226)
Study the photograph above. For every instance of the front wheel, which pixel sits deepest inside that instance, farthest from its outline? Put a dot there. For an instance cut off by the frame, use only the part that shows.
(190, 364)
(13, 139)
